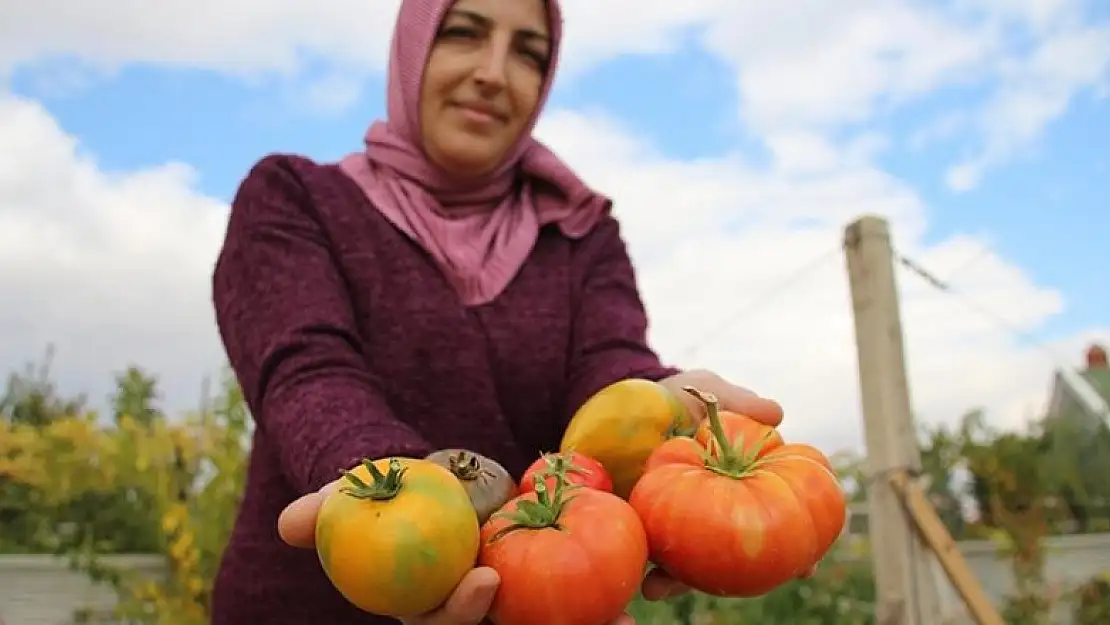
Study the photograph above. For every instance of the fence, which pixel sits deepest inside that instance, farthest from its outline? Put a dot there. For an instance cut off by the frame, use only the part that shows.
(41, 590)
(1070, 561)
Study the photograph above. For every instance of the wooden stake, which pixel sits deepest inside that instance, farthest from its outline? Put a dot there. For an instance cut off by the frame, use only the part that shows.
(905, 585)
(936, 535)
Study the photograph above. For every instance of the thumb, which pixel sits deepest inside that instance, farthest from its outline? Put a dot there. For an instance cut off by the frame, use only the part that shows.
(471, 601)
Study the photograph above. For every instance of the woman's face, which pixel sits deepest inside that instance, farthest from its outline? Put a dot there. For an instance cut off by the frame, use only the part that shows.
(482, 82)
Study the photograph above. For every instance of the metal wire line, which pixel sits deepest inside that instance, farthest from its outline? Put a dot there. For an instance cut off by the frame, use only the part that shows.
(756, 304)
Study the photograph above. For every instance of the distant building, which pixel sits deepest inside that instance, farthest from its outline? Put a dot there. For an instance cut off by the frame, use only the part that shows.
(1082, 394)
(1080, 403)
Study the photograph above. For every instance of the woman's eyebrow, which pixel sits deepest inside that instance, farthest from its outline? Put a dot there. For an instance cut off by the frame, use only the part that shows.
(481, 20)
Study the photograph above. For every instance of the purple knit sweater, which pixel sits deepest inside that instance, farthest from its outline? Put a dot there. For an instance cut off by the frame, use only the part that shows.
(349, 343)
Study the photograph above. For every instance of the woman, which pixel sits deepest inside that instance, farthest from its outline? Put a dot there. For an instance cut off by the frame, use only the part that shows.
(454, 285)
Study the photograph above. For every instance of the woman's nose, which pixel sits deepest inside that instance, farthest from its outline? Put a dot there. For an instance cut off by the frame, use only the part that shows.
(492, 65)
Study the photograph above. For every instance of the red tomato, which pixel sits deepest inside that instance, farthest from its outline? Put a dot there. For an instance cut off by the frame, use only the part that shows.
(734, 511)
(579, 470)
(565, 557)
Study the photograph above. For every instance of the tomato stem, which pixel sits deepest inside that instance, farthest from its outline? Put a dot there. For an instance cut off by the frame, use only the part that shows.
(382, 488)
(547, 509)
(723, 456)
(723, 449)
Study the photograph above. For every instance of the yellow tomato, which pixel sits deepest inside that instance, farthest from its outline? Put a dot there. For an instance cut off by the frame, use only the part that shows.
(620, 426)
(398, 537)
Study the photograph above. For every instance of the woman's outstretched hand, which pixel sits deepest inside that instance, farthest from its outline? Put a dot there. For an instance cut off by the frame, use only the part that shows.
(470, 602)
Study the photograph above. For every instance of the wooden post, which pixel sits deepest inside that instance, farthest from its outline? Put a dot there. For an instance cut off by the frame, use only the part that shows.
(905, 582)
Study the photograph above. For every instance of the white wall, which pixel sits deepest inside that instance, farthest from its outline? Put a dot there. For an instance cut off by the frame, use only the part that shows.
(41, 590)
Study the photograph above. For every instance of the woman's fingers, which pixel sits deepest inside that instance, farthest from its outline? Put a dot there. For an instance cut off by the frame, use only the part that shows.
(731, 397)
(470, 602)
(761, 409)
(297, 522)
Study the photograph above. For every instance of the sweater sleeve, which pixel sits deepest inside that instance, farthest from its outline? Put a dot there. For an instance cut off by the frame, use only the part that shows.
(609, 337)
(289, 331)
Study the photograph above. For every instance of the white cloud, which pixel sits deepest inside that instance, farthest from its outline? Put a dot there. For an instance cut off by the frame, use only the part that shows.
(818, 65)
(799, 64)
(713, 239)
(244, 37)
(1034, 94)
(253, 38)
(114, 268)
(824, 64)
(111, 267)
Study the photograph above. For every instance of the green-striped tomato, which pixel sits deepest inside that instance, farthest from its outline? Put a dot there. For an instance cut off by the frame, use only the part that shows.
(398, 537)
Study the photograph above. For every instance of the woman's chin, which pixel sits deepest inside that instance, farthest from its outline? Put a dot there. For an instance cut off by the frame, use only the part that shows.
(467, 158)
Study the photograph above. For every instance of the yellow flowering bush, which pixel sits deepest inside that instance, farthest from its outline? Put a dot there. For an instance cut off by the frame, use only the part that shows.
(135, 481)
(149, 485)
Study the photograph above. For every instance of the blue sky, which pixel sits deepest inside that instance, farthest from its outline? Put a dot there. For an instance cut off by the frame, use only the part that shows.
(700, 110)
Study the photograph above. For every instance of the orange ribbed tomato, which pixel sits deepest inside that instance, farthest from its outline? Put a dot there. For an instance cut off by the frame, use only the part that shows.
(735, 511)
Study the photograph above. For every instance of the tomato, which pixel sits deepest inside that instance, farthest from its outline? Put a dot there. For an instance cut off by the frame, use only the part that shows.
(620, 426)
(579, 470)
(736, 512)
(398, 537)
(487, 483)
(565, 557)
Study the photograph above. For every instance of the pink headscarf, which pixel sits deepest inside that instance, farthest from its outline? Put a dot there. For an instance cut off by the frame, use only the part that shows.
(482, 234)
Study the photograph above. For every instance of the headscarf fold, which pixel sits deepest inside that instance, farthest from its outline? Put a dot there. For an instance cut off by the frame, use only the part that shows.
(480, 232)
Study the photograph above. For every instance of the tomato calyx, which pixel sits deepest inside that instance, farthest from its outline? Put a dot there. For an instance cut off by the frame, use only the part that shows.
(722, 456)
(547, 509)
(384, 486)
(562, 465)
(467, 467)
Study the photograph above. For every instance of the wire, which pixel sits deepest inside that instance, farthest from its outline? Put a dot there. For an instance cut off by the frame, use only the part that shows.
(946, 287)
(759, 302)
(1002, 323)
(965, 266)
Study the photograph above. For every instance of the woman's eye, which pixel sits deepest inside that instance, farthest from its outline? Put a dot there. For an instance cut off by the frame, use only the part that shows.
(460, 32)
(539, 58)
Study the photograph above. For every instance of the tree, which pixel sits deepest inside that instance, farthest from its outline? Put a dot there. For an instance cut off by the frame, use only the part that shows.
(136, 394)
(1077, 453)
(139, 485)
(32, 398)
(940, 457)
